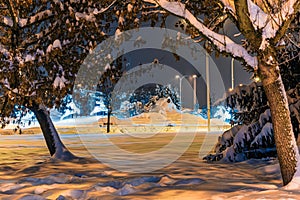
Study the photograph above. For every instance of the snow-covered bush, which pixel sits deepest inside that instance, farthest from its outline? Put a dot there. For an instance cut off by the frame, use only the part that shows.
(243, 141)
(254, 138)
(146, 99)
(67, 108)
(219, 112)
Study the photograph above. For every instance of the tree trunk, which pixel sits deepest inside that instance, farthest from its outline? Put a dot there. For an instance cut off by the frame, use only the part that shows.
(108, 119)
(283, 132)
(55, 146)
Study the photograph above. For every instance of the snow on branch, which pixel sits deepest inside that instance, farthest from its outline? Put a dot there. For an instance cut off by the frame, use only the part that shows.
(91, 15)
(37, 36)
(88, 17)
(154, 12)
(40, 16)
(6, 21)
(273, 25)
(265, 135)
(222, 42)
(245, 141)
(270, 23)
(102, 10)
(43, 15)
(3, 50)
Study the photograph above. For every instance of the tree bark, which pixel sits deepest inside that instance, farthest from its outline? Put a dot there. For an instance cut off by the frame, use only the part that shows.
(287, 150)
(55, 146)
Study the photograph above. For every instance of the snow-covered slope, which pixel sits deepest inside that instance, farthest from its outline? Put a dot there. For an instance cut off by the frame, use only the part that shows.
(164, 112)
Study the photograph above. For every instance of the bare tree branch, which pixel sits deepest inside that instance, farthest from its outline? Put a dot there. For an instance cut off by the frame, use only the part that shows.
(13, 13)
(154, 12)
(245, 23)
(229, 4)
(108, 7)
(222, 42)
(285, 25)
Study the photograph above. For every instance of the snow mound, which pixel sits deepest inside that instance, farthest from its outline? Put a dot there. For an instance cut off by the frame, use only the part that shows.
(164, 104)
(142, 180)
(32, 197)
(166, 180)
(139, 184)
(188, 182)
(73, 194)
(126, 190)
(43, 188)
(49, 180)
(10, 187)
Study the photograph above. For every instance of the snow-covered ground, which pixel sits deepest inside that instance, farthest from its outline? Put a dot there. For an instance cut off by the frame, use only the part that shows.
(26, 172)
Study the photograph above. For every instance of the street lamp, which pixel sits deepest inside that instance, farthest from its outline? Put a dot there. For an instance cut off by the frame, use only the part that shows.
(180, 86)
(257, 79)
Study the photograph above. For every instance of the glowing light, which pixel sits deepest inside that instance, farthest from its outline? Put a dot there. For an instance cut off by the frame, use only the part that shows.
(257, 79)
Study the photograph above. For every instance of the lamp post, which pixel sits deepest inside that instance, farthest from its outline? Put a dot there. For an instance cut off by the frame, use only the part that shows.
(180, 86)
(232, 73)
(195, 90)
(207, 90)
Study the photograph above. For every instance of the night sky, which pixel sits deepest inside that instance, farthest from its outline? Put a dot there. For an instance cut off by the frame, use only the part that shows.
(183, 67)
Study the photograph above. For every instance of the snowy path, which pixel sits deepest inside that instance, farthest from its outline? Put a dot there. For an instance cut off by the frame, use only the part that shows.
(26, 172)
